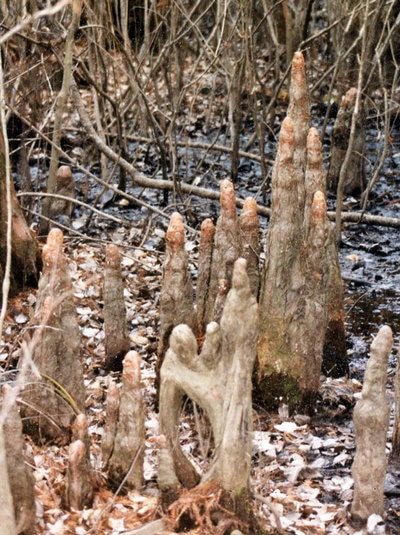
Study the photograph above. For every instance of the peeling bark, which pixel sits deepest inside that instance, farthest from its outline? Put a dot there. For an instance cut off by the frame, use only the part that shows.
(125, 466)
(117, 342)
(219, 381)
(51, 404)
(371, 421)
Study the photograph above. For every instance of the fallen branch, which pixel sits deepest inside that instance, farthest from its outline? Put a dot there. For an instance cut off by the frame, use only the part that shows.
(143, 181)
(204, 193)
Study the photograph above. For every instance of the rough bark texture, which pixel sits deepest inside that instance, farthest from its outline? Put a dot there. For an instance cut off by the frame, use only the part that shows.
(20, 476)
(79, 487)
(110, 428)
(126, 461)
(219, 381)
(227, 246)
(355, 173)
(250, 239)
(299, 283)
(60, 210)
(115, 324)
(299, 111)
(371, 421)
(395, 453)
(25, 260)
(50, 406)
(207, 232)
(176, 297)
(335, 362)
(7, 519)
(293, 302)
(80, 431)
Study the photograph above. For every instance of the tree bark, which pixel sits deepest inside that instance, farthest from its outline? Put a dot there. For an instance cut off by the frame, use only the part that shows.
(176, 298)
(298, 280)
(20, 476)
(395, 453)
(206, 245)
(250, 238)
(7, 519)
(25, 260)
(354, 180)
(226, 249)
(219, 381)
(50, 405)
(110, 428)
(125, 466)
(117, 342)
(371, 421)
(79, 487)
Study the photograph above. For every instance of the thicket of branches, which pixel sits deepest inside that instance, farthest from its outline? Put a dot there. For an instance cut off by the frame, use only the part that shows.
(156, 72)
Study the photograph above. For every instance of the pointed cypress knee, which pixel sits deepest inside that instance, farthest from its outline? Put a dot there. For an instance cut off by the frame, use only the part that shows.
(125, 465)
(115, 325)
(53, 402)
(371, 421)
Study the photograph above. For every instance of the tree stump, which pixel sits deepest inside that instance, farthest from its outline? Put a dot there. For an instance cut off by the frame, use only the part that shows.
(49, 406)
(301, 297)
(371, 421)
(125, 464)
(218, 379)
(117, 342)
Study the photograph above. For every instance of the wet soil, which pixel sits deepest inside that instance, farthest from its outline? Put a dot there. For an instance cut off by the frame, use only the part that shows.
(369, 254)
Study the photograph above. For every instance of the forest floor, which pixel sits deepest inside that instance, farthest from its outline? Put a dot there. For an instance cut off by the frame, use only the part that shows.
(301, 467)
(301, 475)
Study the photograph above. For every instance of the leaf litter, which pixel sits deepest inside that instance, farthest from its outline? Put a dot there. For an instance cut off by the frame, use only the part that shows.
(301, 467)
